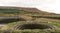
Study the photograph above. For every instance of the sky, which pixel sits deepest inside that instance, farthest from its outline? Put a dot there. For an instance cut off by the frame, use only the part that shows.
(45, 5)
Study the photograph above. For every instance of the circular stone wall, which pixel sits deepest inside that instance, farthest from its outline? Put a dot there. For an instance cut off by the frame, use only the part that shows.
(33, 26)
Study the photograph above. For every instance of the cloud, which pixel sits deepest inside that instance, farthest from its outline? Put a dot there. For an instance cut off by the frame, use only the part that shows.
(25, 2)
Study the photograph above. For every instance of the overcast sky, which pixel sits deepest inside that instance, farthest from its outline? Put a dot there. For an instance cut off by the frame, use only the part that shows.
(46, 5)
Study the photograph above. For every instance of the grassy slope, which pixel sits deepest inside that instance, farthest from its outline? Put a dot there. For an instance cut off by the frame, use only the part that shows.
(45, 16)
(28, 12)
(37, 13)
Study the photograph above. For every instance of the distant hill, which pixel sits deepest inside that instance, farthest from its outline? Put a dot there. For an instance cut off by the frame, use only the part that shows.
(24, 11)
(34, 10)
(22, 8)
(31, 14)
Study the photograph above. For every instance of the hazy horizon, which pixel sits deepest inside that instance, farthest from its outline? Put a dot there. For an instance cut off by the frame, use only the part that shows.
(45, 5)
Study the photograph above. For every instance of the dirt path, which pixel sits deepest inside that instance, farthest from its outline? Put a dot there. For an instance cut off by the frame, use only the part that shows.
(2, 24)
(7, 20)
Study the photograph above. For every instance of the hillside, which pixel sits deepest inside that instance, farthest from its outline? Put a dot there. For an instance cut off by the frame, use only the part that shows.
(24, 11)
(33, 14)
(35, 10)
(25, 20)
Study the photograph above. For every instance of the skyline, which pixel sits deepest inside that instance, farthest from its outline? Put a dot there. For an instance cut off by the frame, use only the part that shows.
(45, 5)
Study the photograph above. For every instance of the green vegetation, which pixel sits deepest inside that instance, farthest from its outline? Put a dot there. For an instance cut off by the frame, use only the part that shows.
(55, 23)
(29, 31)
(9, 10)
(49, 19)
(11, 28)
